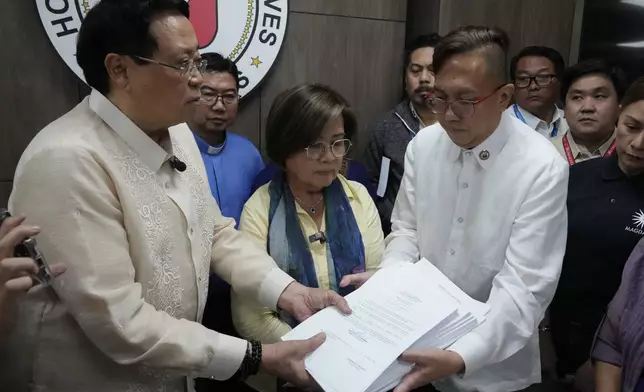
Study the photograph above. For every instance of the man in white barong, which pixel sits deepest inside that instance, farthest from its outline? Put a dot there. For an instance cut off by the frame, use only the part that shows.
(484, 199)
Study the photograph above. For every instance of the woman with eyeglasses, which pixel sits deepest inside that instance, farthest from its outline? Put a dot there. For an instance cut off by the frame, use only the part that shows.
(317, 225)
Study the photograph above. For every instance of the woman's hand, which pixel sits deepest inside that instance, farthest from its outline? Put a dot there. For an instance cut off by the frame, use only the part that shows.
(356, 280)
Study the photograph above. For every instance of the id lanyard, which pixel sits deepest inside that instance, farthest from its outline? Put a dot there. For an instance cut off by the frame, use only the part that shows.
(571, 158)
(517, 112)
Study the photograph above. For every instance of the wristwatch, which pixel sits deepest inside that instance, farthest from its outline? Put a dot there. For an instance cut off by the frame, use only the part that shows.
(251, 362)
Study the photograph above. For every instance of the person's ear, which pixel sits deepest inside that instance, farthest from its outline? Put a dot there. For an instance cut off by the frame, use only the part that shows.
(117, 67)
(505, 96)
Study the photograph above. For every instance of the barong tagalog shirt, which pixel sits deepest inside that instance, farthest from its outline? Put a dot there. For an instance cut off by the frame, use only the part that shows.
(139, 240)
(493, 220)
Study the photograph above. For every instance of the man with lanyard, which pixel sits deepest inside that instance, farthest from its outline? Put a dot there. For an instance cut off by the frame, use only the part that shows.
(389, 137)
(231, 163)
(536, 72)
(591, 91)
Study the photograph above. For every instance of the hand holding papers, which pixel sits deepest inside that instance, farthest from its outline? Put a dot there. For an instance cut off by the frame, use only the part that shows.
(403, 306)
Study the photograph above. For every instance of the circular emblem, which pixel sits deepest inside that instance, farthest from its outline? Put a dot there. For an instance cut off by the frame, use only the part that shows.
(248, 32)
(484, 155)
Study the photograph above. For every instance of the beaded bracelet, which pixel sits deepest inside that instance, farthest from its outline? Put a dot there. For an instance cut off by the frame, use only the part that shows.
(251, 362)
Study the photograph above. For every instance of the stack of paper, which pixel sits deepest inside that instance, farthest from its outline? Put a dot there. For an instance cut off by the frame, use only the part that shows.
(401, 307)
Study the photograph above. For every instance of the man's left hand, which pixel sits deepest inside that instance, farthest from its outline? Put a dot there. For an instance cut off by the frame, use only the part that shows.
(430, 365)
(302, 302)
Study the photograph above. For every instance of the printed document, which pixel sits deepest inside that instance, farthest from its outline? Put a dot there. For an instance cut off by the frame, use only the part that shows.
(402, 306)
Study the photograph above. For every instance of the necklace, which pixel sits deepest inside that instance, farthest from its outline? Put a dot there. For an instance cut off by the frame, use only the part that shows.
(312, 209)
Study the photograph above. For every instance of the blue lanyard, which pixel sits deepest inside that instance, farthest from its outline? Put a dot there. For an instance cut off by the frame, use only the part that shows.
(517, 112)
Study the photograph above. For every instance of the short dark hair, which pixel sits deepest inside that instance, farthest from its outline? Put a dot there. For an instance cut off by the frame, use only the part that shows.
(594, 67)
(493, 41)
(539, 51)
(635, 93)
(298, 116)
(121, 27)
(421, 41)
(220, 64)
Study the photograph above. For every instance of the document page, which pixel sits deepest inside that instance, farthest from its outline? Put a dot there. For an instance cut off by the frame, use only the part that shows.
(390, 312)
(470, 314)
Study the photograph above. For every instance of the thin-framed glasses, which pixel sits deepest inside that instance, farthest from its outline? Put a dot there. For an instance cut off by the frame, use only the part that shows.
(212, 98)
(338, 148)
(539, 80)
(461, 108)
(187, 69)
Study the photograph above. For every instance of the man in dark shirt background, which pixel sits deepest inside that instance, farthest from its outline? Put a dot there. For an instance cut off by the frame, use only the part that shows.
(389, 137)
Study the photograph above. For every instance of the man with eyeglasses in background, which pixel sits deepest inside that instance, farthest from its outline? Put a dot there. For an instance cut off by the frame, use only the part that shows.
(536, 72)
(483, 198)
(232, 162)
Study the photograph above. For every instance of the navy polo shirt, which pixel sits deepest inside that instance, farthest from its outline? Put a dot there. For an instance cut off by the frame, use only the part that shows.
(605, 222)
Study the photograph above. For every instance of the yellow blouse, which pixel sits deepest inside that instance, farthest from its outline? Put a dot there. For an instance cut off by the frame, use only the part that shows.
(254, 321)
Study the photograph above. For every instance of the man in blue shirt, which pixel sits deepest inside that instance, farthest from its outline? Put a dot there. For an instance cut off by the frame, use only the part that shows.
(232, 162)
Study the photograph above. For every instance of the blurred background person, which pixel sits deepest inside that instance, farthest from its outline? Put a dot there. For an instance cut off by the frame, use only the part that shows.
(605, 222)
(618, 350)
(389, 137)
(16, 273)
(232, 162)
(591, 91)
(536, 72)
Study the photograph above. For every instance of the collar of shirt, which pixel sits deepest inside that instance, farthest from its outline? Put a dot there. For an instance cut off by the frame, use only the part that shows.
(416, 116)
(579, 151)
(535, 122)
(487, 151)
(151, 153)
(206, 148)
(611, 170)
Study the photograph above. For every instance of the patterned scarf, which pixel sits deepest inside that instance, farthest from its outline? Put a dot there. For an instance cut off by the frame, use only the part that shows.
(290, 248)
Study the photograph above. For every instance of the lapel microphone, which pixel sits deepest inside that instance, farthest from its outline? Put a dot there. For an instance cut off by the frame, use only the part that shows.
(319, 236)
(177, 164)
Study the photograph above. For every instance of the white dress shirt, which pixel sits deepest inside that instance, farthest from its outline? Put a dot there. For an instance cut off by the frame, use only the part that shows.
(493, 220)
(558, 121)
(139, 240)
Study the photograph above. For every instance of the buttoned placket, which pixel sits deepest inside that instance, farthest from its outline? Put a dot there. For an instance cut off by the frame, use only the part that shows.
(463, 197)
(178, 191)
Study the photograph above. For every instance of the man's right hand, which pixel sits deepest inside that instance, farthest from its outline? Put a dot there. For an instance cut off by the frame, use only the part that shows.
(286, 360)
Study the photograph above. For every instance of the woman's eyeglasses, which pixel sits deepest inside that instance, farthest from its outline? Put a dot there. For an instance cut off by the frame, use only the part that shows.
(338, 148)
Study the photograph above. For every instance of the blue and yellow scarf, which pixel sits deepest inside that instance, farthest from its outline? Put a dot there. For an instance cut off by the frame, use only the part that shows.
(289, 247)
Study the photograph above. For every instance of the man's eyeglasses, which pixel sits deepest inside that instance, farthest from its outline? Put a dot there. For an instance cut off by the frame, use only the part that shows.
(539, 80)
(461, 108)
(338, 148)
(226, 99)
(187, 69)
